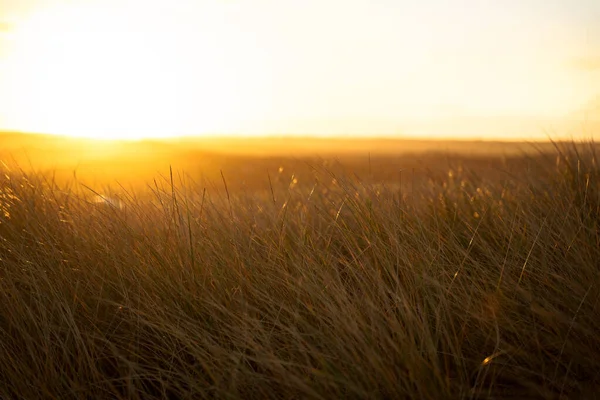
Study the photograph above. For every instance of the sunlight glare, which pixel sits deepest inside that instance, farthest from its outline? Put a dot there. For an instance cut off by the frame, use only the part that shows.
(89, 71)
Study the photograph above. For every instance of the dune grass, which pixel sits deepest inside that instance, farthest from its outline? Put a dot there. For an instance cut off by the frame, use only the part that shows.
(469, 287)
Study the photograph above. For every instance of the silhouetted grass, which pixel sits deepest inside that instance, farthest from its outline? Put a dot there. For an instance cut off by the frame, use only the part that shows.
(471, 286)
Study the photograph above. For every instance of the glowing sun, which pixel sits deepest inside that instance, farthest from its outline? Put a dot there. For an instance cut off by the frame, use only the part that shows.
(93, 72)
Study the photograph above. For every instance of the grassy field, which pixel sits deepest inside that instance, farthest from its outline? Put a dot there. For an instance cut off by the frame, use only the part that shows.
(427, 273)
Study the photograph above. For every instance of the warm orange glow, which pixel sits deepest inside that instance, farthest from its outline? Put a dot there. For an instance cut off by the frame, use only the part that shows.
(89, 71)
(133, 69)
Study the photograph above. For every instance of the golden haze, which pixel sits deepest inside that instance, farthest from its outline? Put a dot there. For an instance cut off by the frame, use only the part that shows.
(134, 70)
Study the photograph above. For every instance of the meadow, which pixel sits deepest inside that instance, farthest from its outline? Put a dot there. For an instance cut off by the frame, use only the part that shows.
(378, 270)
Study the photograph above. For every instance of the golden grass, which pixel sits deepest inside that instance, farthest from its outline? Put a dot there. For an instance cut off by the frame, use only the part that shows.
(468, 287)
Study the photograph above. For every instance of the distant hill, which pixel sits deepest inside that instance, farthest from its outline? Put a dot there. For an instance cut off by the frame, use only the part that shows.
(247, 161)
(63, 148)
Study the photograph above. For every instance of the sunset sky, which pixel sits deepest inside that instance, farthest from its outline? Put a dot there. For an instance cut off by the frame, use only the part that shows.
(436, 68)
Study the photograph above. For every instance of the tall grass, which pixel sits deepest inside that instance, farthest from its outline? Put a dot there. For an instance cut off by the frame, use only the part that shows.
(469, 287)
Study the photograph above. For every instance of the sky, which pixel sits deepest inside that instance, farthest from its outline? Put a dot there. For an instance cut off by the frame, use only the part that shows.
(433, 68)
